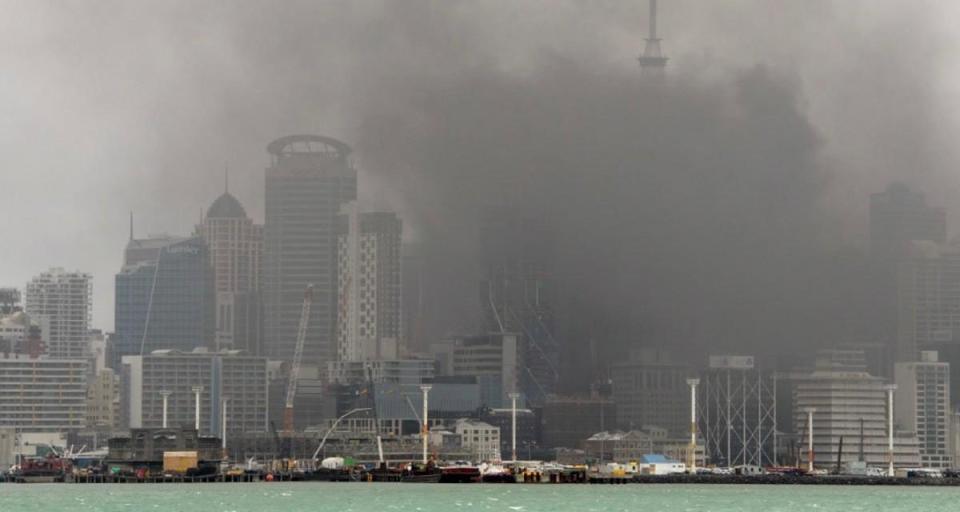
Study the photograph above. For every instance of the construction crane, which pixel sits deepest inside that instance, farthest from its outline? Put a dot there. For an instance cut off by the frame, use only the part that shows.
(297, 358)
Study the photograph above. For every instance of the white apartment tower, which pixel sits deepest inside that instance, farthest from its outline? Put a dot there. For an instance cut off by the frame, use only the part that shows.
(922, 405)
(62, 302)
(369, 283)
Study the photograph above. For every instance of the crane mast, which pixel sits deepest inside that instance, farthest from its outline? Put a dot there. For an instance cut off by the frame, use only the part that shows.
(297, 358)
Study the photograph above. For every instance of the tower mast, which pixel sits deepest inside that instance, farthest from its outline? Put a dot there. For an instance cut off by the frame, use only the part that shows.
(652, 60)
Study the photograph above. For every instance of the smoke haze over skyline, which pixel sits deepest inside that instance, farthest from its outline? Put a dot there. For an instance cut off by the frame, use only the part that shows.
(739, 189)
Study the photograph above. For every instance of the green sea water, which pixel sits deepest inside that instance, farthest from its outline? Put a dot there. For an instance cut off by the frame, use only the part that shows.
(366, 497)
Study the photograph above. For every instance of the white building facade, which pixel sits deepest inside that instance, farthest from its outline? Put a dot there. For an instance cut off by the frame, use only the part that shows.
(62, 301)
(922, 405)
(479, 439)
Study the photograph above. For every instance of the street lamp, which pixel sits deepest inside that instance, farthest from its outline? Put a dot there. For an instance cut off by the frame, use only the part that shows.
(693, 423)
(166, 396)
(425, 429)
(196, 411)
(890, 389)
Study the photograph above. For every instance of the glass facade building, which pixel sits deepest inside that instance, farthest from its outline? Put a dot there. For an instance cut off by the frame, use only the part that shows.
(164, 297)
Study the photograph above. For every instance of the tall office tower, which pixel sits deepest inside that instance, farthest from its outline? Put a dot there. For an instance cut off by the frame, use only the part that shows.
(928, 301)
(922, 405)
(899, 215)
(164, 297)
(369, 315)
(309, 179)
(236, 247)
(63, 301)
(516, 294)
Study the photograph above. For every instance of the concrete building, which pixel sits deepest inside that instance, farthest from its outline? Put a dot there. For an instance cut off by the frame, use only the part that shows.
(494, 359)
(43, 394)
(231, 375)
(62, 301)
(650, 388)
(103, 400)
(369, 318)
(850, 404)
(922, 405)
(164, 297)
(236, 249)
(568, 420)
(480, 439)
(310, 178)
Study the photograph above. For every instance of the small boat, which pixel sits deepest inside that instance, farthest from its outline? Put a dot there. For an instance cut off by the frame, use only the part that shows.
(422, 474)
(496, 474)
(460, 473)
(47, 469)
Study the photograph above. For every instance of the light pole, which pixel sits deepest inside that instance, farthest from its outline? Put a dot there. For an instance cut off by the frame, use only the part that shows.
(425, 428)
(693, 423)
(323, 441)
(165, 395)
(196, 409)
(513, 426)
(223, 424)
(810, 411)
(890, 389)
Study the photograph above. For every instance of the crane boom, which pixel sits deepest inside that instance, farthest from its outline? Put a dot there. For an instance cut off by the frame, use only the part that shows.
(297, 358)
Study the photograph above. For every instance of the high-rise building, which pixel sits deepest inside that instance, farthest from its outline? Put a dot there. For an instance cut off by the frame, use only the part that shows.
(164, 297)
(43, 394)
(236, 247)
(922, 405)
(569, 420)
(369, 312)
(62, 300)
(650, 389)
(898, 216)
(310, 178)
(928, 301)
(230, 375)
(849, 404)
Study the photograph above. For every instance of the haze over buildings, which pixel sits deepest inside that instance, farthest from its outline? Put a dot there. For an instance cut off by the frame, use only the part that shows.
(526, 211)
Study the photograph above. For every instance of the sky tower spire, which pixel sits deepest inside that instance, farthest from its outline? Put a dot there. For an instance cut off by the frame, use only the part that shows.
(652, 60)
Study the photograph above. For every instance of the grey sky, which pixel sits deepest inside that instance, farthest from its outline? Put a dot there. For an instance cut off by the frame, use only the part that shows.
(107, 107)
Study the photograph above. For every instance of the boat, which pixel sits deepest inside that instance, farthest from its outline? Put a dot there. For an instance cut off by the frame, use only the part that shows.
(422, 474)
(47, 469)
(460, 473)
(496, 474)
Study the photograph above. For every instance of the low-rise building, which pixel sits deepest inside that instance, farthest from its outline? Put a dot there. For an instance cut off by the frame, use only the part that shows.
(480, 439)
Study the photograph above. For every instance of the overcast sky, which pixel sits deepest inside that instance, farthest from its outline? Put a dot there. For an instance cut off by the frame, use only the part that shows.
(108, 107)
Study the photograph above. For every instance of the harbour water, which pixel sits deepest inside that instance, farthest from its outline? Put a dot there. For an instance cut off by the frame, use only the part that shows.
(366, 497)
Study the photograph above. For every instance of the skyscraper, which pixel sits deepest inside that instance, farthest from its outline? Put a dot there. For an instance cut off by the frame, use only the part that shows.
(369, 315)
(309, 179)
(236, 247)
(63, 301)
(164, 297)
